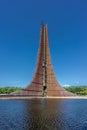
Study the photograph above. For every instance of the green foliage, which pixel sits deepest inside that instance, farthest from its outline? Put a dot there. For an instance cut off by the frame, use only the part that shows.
(80, 90)
(8, 90)
(42, 92)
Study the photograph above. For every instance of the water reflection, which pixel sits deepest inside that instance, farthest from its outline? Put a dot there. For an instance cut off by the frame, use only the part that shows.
(43, 114)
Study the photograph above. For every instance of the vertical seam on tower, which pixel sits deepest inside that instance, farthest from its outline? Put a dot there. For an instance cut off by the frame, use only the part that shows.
(45, 57)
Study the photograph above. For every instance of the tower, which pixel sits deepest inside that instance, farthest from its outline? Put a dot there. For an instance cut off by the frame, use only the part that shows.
(44, 82)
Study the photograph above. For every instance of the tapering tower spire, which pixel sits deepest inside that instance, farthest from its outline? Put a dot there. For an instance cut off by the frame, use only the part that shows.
(44, 82)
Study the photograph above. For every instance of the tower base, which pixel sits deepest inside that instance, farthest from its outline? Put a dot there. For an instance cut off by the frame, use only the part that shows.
(61, 93)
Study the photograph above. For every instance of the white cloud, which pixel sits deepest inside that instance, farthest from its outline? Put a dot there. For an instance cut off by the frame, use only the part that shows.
(66, 85)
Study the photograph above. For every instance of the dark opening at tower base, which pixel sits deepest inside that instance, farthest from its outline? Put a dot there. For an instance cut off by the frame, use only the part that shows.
(44, 88)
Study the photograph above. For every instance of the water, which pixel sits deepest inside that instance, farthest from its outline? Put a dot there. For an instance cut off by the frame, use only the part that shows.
(43, 114)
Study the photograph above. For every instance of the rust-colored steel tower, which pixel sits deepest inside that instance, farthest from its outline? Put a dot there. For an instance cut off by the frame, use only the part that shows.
(44, 82)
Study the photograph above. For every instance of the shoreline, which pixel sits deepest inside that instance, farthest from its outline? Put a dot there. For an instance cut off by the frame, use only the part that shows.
(24, 97)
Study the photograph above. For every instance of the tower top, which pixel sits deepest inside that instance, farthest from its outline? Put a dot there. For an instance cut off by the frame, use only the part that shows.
(42, 23)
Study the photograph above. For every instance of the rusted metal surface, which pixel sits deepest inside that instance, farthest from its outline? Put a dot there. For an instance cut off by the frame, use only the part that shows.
(44, 78)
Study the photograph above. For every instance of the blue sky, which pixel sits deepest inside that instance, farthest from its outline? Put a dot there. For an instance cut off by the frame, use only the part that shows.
(20, 22)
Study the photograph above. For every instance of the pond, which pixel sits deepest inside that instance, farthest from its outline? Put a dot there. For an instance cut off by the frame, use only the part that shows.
(43, 114)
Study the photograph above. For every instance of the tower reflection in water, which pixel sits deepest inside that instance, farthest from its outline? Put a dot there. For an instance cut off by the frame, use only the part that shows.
(44, 114)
